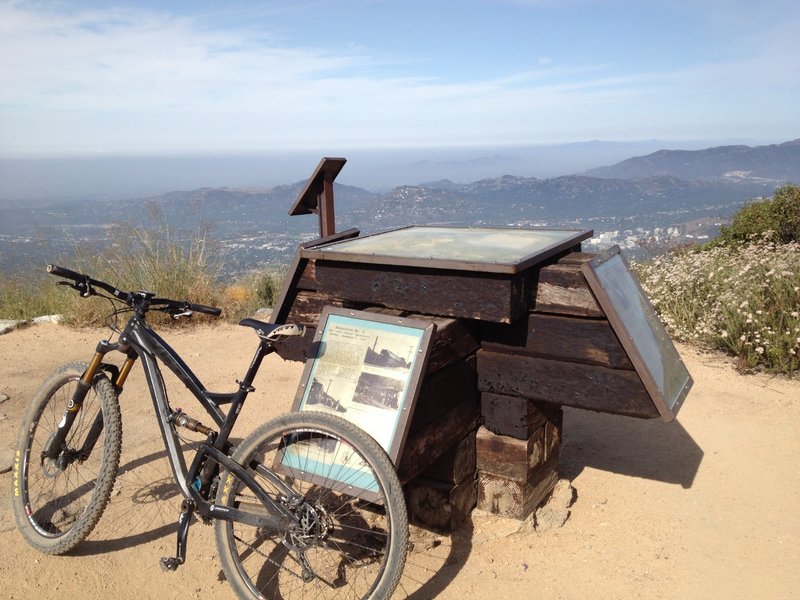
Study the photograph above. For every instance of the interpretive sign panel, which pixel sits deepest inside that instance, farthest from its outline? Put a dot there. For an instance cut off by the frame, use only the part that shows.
(367, 368)
(489, 250)
(639, 330)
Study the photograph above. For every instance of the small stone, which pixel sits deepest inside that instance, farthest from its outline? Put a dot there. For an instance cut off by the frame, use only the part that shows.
(556, 511)
(6, 460)
(8, 325)
(3, 398)
(49, 319)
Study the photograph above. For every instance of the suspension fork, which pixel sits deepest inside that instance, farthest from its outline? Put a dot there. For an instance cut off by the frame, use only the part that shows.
(55, 444)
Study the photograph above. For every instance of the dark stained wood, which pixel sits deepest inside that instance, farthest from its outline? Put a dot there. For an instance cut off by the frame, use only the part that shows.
(455, 465)
(439, 505)
(428, 443)
(509, 457)
(296, 269)
(468, 295)
(572, 384)
(573, 339)
(307, 307)
(562, 288)
(454, 387)
(514, 416)
(516, 498)
(453, 340)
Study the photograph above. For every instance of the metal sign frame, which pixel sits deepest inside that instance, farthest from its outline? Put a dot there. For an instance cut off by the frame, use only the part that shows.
(397, 247)
(367, 368)
(640, 331)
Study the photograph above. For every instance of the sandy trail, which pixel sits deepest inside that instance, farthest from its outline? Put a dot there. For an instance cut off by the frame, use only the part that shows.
(703, 507)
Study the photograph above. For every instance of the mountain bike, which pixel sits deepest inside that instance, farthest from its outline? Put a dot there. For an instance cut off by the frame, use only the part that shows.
(307, 505)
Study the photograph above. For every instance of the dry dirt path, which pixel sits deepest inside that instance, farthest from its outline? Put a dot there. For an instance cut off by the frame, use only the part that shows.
(705, 507)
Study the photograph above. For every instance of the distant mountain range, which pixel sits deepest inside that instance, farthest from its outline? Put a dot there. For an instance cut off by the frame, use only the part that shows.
(774, 163)
(686, 194)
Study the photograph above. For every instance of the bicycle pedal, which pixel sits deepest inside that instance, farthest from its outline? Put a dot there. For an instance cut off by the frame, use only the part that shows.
(170, 563)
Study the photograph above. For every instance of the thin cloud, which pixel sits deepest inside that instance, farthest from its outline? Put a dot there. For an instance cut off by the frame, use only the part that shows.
(141, 80)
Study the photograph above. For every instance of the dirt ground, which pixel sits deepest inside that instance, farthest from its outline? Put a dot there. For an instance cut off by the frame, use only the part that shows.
(707, 506)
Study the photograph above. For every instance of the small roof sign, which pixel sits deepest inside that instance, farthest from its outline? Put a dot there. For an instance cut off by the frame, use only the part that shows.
(308, 200)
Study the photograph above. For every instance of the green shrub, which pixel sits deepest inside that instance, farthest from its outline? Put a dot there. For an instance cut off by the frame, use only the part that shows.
(780, 214)
(181, 266)
(250, 293)
(742, 298)
(267, 288)
(23, 299)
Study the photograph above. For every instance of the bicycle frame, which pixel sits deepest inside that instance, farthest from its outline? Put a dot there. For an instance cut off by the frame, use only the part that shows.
(139, 341)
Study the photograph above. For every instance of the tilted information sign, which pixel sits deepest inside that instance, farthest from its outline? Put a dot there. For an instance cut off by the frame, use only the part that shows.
(366, 368)
(639, 330)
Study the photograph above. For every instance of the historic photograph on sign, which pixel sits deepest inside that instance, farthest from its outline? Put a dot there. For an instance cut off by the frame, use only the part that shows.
(366, 368)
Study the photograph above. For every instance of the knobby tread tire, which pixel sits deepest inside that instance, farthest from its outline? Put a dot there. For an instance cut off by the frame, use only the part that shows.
(27, 461)
(394, 509)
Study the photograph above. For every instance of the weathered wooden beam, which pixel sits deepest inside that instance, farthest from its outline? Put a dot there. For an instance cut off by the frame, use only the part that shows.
(461, 294)
(562, 288)
(572, 384)
(515, 416)
(516, 498)
(573, 339)
(457, 464)
(452, 342)
(423, 446)
(454, 387)
(507, 456)
(439, 505)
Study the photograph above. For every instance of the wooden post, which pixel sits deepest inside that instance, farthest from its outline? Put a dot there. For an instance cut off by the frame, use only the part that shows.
(317, 195)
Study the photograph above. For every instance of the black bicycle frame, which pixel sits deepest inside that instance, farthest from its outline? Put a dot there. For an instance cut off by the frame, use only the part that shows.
(138, 340)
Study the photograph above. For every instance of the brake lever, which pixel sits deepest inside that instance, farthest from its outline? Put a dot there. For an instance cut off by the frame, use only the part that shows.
(82, 287)
(184, 313)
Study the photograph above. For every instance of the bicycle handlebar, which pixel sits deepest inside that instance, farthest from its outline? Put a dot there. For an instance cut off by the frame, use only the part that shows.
(84, 285)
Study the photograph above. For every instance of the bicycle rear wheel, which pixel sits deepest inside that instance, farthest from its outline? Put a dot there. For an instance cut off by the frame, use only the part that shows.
(351, 535)
(57, 502)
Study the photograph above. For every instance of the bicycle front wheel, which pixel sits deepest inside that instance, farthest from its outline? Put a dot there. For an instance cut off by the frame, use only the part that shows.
(349, 536)
(58, 501)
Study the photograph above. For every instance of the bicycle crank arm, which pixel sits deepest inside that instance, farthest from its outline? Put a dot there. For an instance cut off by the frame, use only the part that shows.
(254, 515)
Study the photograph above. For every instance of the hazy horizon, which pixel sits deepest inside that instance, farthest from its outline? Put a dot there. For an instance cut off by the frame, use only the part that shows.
(123, 98)
(123, 177)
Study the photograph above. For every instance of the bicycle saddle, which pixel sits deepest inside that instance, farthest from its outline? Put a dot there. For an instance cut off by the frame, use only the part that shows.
(272, 332)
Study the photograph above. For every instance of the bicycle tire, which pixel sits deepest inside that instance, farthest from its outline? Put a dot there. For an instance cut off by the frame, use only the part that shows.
(56, 507)
(354, 532)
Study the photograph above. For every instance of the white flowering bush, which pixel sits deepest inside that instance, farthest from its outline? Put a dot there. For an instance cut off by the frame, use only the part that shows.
(743, 299)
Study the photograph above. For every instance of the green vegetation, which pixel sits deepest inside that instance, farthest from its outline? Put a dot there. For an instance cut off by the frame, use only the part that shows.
(22, 299)
(780, 214)
(739, 293)
(182, 267)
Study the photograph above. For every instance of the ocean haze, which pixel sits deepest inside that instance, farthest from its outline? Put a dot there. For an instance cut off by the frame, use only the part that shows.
(103, 177)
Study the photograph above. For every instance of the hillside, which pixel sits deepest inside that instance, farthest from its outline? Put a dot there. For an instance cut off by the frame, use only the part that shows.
(685, 195)
(776, 163)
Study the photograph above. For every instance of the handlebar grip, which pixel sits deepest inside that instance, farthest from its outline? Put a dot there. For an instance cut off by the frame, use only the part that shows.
(66, 273)
(209, 310)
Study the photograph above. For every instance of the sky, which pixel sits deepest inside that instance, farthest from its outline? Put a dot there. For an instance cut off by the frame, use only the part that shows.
(84, 78)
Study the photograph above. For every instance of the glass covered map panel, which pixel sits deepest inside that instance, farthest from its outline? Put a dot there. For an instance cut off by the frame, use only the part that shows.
(475, 249)
(640, 331)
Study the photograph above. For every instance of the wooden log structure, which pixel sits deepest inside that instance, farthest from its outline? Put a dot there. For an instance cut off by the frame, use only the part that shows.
(508, 352)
